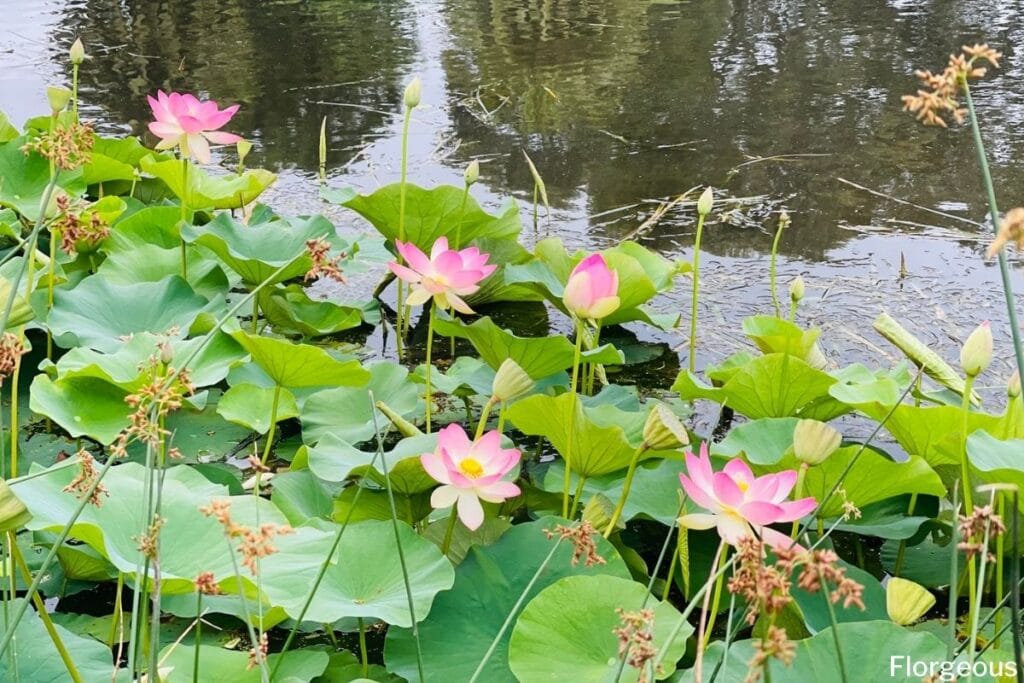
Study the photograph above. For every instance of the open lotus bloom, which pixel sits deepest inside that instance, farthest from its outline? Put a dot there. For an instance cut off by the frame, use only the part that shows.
(470, 471)
(182, 120)
(738, 503)
(592, 290)
(445, 276)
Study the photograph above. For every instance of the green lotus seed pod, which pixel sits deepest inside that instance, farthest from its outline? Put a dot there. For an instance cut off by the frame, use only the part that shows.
(976, 353)
(413, 93)
(663, 431)
(706, 201)
(814, 441)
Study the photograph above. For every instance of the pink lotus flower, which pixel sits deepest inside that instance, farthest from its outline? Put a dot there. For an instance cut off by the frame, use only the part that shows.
(186, 121)
(736, 500)
(470, 471)
(592, 290)
(446, 275)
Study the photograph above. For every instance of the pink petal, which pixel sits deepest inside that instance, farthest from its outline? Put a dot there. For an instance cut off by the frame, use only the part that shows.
(796, 509)
(726, 490)
(760, 513)
(404, 273)
(464, 278)
(732, 529)
(739, 471)
(413, 256)
(199, 148)
(165, 129)
(454, 440)
(698, 521)
(578, 296)
(222, 138)
(765, 488)
(499, 492)
(698, 495)
(470, 511)
(458, 304)
(699, 470)
(440, 246)
(435, 468)
(446, 263)
(779, 540)
(786, 480)
(443, 497)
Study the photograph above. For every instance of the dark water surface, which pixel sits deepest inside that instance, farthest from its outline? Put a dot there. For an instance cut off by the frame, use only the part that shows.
(621, 104)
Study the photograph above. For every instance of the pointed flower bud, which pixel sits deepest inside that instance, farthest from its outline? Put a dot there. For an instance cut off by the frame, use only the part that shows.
(663, 431)
(58, 96)
(976, 353)
(77, 52)
(472, 173)
(814, 441)
(796, 289)
(1013, 385)
(906, 601)
(413, 93)
(706, 201)
(244, 147)
(511, 381)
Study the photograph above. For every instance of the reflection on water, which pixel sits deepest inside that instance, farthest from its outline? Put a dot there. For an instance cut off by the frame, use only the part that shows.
(619, 103)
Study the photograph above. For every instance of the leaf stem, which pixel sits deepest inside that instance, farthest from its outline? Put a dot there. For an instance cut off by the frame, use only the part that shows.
(695, 294)
(627, 484)
(572, 418)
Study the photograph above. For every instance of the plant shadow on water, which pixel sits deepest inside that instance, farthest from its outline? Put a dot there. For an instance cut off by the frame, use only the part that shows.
(441, 443)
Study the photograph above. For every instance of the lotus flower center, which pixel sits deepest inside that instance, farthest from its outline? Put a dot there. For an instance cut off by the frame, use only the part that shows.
(743, 486)
(471, 467)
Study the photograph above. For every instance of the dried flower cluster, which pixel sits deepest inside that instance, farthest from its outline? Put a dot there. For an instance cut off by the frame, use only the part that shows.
(12, 348)
(76, 224)
(1011, 229)
(324, 266)
(253, 544)
(87, 476)
(258, 653)
(972, 530)
(68, 146)
(206, 584)
(818, 570)
(774, 645)
(938, 98)
(582, 538)
(152, 403)
(636, 637)
(149, 542)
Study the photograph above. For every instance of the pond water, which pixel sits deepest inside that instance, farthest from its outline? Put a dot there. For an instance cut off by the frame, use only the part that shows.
(621, 104)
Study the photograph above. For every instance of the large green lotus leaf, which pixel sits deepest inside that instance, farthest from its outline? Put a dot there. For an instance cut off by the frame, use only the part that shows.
(206, 191)
(190, 543)
(289, 309)
(83, 406)
(995, 461)
(252, 406)
(345, 667)
(642, 275)
(347, 412)
(300, 365)
(301, 497)
(150, 225)
(463, 621)
(100, 314)
(537, 356)
(152, 263)
(596, 448)
(335, 460)
(567, 632)
(124, 367)
(219, 664)
(204, 436)
(760, 442)
(256, 251)
(888, 518)
(364, 578)
(375, 504)
(774, 385)
(776, 335)
(815, 611)
(115, 159)
(927, 563)
(872, 478)
(24, 178)
(504, 252)
(7, 130)
(433, 213)
(655, 493)
(868, 648)
(37, 659)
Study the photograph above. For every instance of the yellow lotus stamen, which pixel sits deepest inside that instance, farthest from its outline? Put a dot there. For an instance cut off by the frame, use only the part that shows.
(471, 468)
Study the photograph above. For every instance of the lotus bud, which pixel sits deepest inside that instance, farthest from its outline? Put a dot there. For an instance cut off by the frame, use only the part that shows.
(166, 353)
(906, 601)
(706, 201)
(413, 92)
(663, 431)
(472, 173)
(976, 353)
(244, 147)
(13, 513)
(511, 381)
(1013, 385)
(784, 220)
(58, 96)
(796, 289)
(77, 52)
(814, 441)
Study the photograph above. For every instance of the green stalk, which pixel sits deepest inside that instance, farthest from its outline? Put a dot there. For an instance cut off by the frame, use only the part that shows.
(965, 479)
(51, 276)
(184, 214)
(901, 551)
(264, 676)
(255, 315)
(771, 272)
(712, 614)
(270, 432)
(401, 320)
(536, 190)
(198, 636)
(625, 490)
(578, 496)
(458, 225)
(430, 347)
(696, 291)
(364, 656)
(398, 543)
(447, 543)
(977, 597)
(990, 193)
(1015, 585)
(118, 611)
(44, 616)
(14, 414)
(798, 494)
(484, 414)
(954, 581)
(514, 612)
(74, 90)
(572, 419)
(1001, 511)
(835, 630)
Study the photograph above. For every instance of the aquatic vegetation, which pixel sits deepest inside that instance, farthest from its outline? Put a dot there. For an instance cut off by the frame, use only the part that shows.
(207, 451)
